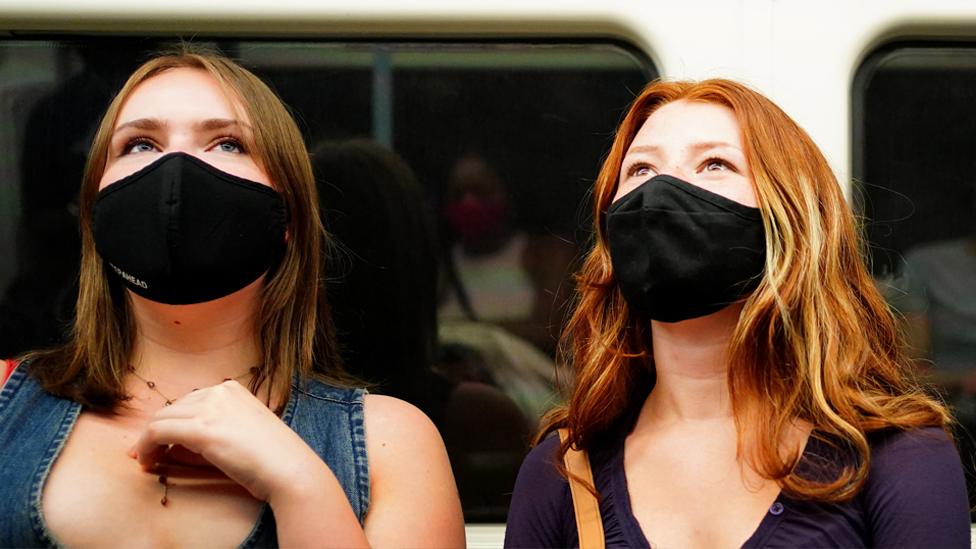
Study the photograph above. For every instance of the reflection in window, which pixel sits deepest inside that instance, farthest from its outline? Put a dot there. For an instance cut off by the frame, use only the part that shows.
(454, 175)
(914, 139)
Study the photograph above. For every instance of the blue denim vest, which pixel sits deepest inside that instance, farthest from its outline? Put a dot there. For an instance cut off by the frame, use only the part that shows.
(34, 426)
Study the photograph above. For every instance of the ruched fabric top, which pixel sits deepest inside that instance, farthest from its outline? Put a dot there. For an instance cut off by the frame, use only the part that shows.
(915, 496)
(34, 426)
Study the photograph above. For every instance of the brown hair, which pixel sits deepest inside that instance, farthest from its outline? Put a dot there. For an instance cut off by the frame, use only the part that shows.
(815, 341)
(294, 329)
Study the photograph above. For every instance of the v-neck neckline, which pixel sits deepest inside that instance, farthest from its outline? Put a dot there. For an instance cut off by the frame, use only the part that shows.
(622, 507)
(72, 412)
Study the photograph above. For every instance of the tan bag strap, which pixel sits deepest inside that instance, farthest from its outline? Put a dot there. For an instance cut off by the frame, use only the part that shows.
(589, 524)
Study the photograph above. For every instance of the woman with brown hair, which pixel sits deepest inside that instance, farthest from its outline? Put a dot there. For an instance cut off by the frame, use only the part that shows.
(200, 395)
(739, 380)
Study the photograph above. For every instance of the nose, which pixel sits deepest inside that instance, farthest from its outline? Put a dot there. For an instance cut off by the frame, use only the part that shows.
(675, 171)
(180, 142)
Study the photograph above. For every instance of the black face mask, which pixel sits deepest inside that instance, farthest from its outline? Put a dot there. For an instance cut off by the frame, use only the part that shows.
(680, 252)
(180, 231)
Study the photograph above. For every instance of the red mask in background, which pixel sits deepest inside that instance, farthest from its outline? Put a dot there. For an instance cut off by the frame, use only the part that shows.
(476, 218)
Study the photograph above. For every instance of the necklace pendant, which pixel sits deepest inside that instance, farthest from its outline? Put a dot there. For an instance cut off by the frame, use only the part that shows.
(165, 482)
(168, 403)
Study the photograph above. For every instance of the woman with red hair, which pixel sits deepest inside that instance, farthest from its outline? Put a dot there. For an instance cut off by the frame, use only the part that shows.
(739, 380)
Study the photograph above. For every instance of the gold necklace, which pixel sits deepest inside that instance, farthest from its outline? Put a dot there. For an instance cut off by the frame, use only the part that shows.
(252, 371)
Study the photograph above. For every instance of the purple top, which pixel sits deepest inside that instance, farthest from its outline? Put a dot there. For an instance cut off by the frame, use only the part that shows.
(915, 496)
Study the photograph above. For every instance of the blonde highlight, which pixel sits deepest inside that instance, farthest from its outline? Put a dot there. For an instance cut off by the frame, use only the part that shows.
(815, 341)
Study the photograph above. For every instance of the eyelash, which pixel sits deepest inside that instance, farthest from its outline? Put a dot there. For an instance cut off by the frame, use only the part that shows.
(632, 169)
(233, 139)
(718, 160)
(133, 142)
(236, 141)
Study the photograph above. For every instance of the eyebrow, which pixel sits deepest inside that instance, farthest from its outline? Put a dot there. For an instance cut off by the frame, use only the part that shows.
(703, 146)
(206, 125)
(221, 123)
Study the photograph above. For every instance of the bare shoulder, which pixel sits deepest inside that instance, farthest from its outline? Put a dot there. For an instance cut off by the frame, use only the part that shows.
(413, 498)
(401, 441)
(392, 423)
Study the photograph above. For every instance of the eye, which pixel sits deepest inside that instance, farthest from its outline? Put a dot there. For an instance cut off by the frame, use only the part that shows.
(717, 164)
(139, 145)
(639, 169)
(229, 145)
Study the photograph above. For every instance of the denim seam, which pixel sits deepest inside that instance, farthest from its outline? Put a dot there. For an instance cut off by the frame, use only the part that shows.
(11, 386)
(43, 471)
(288, 416)
(347, 402)
(252, 537)
(256, 530)
(353, 407)
(357, 433)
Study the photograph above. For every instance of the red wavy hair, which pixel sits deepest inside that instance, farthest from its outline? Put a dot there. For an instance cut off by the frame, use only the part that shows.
(814, 342)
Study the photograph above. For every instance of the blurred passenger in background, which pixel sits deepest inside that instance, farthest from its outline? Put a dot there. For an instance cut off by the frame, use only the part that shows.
(935, 293)
(37, 307)
(503, 289)
(496, 272)
(383, 296)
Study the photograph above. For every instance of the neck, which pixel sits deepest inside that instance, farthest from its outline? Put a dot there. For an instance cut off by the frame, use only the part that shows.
(182, 347)
(691, 365)
(487, 244)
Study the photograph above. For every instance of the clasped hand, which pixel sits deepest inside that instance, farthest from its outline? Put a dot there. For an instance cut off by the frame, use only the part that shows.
(227, 428)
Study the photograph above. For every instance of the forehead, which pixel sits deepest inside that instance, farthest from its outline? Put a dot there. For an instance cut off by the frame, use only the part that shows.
(180, 94)
(686, 122)
(473, 173)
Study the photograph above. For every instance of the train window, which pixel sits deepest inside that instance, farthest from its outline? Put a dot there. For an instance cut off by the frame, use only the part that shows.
(914, 123)
(453, 176)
